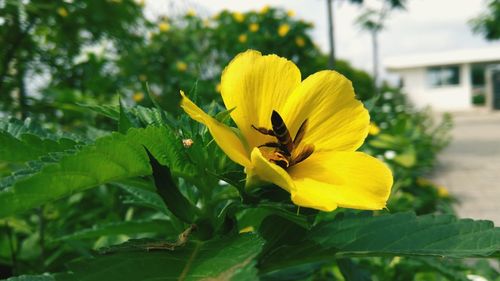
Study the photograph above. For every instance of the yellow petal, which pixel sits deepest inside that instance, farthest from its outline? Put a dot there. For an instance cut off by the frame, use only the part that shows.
(355, 180)
(223, 135)
(337, 120)
(255, 85)
(264, 170)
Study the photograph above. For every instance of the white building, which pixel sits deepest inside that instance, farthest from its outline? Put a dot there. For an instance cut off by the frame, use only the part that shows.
(448, 81)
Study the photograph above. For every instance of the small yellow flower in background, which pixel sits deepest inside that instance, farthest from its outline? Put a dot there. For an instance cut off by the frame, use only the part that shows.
(217, 88)
(164, 26)
(143, 78)
(62, 12)
(300, 41)
(138, 96)
(239, 17)
(265, 9)
(374, 129)
(254, 27)
(283, 30)
(181, 66)
(299, 135)
(242, 38)
(191, 13)
(117, 1)
(291, 13)
(443, 192)
(247, 229)
(140, 2)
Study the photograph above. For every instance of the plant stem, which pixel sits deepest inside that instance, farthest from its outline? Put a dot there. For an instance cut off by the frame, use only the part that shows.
(41, 230)
(12, 249)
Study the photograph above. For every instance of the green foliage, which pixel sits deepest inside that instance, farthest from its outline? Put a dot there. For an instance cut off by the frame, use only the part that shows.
(401, 234)
(194, 261)
(121, 228)
(488, 23)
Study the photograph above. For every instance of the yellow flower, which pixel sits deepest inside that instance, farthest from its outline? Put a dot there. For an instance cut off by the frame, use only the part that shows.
(321, 169)
(181, 66)
(164, 26)
(443, 192)
(291, 13)
(191, 13)
(300, 41)
(374, 129)
(217, 88)
(141, 3)
(283, 30)
(239, 17)
(264, 9)
(62, 12)
(242, 38)
(254, 27)
(138, 96)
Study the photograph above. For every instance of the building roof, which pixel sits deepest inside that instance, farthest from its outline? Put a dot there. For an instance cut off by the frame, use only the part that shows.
(490, 54)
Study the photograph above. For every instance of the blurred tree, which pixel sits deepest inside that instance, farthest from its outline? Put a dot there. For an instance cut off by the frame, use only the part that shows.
(393, 4)
(49, 40)
(373, 21)
(488, 23)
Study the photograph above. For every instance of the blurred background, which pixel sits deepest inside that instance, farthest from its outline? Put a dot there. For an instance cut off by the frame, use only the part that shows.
(427, 70)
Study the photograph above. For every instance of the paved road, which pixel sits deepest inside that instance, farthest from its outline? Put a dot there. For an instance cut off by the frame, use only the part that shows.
(470, 166)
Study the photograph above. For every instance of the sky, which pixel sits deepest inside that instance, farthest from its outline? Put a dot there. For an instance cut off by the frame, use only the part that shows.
(425, 26)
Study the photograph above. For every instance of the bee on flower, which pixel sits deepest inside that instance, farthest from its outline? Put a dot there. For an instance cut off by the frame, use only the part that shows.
(301, 135)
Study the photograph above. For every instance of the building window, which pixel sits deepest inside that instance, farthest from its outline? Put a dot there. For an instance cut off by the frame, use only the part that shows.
(443, 76)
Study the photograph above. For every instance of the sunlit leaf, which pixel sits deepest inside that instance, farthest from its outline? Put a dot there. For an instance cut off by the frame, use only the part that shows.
(402, 234)
(222, 259)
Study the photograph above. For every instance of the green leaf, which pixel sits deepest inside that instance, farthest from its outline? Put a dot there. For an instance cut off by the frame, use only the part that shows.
(126, 227)
(149, 116)
(25, 141)
(16, 128)
(126, 121)
(407, 158)
(143, 197)
(169, 192)
(111, 111)
(402, 234)
(111, 158)
(352, 271)
(445, 267)
(386, 141)
(29, 147)
(222, 259)
(32, 278)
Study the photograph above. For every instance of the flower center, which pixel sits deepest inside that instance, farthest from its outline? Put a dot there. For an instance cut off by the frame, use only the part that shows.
(286, 151)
